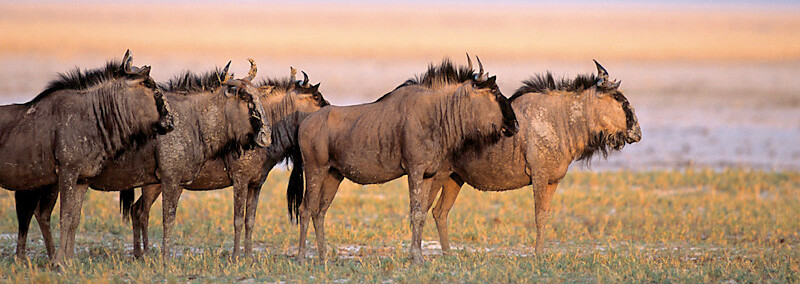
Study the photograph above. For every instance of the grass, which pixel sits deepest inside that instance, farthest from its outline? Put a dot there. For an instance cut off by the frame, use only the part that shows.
(687, 226)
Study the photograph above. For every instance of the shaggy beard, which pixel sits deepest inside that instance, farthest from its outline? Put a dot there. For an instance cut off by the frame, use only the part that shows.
(603, 143)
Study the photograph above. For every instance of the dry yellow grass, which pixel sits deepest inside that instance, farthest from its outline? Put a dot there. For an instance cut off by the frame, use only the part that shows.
(359, 30)
(690, 226)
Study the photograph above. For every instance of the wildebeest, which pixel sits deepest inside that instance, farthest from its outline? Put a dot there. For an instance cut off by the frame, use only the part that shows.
(560, 122)
(414, 130)
(213, 115)
(286, 103)
(67, 133)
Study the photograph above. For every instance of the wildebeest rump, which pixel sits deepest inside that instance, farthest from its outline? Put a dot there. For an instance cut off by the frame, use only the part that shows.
(560, 122)
(286, 103)
(213, 116)
(415, 129)
(67, 133)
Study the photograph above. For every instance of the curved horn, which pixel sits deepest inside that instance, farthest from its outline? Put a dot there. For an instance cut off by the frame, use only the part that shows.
(469, 62)
(253, 70)
(481, 76)
(305, 79)
(126, 61)
(292, 74)
(223, 77)
(601, 72)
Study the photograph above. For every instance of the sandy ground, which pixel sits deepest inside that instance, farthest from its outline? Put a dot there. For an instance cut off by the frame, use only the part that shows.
(713, 86)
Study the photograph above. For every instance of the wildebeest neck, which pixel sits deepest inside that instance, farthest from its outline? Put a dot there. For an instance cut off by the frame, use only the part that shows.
(463, 124)
(116, 108)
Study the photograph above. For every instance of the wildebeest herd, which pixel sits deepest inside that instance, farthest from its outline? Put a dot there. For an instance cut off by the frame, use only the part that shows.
(115, 129)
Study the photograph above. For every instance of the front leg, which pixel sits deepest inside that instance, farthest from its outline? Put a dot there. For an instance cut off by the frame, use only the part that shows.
(250, 217)
(542, 195)
(70, 213)
(240, 189)
(418, 190)
(170, 196)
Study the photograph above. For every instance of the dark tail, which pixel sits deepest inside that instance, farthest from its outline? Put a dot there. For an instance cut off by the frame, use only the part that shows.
(294, 192)
(126, 203)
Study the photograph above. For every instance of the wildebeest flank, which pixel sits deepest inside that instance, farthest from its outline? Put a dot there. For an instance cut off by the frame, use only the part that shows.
(67, 133)
(286, 103)
(415, 129)
(560, 122)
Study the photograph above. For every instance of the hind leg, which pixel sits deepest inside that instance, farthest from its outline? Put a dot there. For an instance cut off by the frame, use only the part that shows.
(47, 201)
(141, 218)
(26, 204)
(330, 186)
(310, 205)
(450, 190)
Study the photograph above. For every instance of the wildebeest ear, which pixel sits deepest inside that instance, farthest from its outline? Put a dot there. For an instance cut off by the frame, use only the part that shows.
(314, 88)
(145, 71)
(491, 81)
(126, 61)
(292, 74)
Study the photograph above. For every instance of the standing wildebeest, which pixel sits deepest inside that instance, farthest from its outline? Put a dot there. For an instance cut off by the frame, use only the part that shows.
(213, 115)
(286, 103)
(67, 133)
(416, 129)
(561, 122)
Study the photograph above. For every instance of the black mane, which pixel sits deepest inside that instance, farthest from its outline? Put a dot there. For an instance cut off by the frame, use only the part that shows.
(284, 84)
(191, 82)
(544, 83)
(78, 79)
(446, 73)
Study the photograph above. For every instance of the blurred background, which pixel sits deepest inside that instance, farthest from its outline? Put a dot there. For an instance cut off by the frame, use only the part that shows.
(715, 84)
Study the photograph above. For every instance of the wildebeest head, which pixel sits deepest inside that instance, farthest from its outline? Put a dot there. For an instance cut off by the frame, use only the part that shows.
(242, 103)
(283, 97)
(614, 116)
(141, 76)
(486, 89)
(309, 99)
